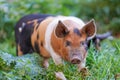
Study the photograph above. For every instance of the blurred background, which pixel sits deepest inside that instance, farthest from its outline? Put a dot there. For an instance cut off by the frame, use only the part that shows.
(105, 12)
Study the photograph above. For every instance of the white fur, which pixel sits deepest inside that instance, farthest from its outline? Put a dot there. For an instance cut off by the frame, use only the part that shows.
(20, 28)
(51, 27)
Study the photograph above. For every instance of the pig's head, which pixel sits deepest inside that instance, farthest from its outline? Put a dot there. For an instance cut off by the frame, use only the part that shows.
(74, 39)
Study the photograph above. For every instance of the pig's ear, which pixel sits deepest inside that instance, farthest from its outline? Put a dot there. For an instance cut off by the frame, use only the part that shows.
(90, 29)
(61, 30)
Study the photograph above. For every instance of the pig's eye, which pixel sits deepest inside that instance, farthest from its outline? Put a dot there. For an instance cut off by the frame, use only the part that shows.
(68, 43)
(82, 43)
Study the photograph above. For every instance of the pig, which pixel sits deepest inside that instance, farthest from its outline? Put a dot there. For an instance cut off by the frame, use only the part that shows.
(98, 38)
(59, 37)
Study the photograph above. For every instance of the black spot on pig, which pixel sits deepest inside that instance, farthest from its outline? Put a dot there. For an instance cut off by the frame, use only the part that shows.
(37, 36)
(37, 26)
(36, 46)
(76, 31)
(41, 43)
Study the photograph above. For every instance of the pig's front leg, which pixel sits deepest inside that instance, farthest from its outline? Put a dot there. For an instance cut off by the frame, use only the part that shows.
(58, 61)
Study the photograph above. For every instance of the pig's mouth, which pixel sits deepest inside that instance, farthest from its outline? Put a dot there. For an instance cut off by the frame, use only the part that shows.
(75, 60)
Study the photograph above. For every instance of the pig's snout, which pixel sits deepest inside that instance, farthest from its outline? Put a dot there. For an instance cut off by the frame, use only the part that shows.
(75, 60)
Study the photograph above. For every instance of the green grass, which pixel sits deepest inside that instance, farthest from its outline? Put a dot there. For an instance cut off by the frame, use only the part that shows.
(102, 65)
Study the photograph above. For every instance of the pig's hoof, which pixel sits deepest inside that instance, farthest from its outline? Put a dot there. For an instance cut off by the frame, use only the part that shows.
(60, 76)
(84, 72)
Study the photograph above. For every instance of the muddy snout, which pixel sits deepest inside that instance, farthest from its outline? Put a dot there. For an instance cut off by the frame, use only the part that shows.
(75, 59)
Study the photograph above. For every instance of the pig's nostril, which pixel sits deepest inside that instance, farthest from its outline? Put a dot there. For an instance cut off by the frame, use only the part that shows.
(75, 61)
